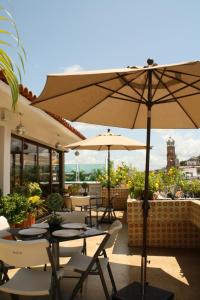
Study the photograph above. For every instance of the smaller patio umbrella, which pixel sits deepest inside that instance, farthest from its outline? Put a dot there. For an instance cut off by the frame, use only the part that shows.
(108, 142)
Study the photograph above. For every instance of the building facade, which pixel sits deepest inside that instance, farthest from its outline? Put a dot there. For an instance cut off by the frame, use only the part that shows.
(31, 147)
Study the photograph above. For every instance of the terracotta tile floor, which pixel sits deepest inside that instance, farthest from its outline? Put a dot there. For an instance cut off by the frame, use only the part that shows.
(176, 270)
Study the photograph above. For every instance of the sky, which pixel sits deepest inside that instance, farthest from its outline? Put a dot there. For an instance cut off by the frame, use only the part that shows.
(66, 35)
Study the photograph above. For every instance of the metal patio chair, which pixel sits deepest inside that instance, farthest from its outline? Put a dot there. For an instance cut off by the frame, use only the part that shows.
(86, 265)
(65, 249)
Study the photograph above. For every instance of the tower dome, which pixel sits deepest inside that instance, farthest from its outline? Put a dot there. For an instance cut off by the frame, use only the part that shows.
(170, 142)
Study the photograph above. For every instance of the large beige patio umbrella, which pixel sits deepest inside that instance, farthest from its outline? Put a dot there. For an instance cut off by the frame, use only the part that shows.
(154, 96)
(107, 141)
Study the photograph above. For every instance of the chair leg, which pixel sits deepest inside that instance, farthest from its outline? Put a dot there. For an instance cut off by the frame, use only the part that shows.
(112, 278)
(84, 251)
(79, 285)
(103, 280)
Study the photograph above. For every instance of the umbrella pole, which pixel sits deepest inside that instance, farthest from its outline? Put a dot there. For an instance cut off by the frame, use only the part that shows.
(109, 204)
(145, 205)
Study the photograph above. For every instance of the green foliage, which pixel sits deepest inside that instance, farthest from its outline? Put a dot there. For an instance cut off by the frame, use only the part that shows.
(54, 222)
(33, 189)
(11, 70)
(32, 192)
(14, 207)
(55, 202)
(73, 189)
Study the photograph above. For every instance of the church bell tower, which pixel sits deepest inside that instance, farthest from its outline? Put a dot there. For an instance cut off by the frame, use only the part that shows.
(171, 155)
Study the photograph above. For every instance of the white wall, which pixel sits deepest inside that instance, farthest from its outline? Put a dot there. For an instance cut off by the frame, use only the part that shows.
(5, 135)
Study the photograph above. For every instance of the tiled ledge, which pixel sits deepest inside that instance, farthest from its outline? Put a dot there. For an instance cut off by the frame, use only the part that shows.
(171, 223)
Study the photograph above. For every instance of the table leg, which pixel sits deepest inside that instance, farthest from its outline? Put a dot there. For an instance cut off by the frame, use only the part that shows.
(55, 254)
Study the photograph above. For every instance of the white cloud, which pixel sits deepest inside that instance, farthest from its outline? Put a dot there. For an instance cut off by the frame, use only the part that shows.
(72, 69)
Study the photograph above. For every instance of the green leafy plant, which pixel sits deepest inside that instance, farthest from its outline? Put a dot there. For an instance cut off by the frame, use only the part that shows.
(14, 207)
(54, 202)
(85, 186)
(10, 69)
(73, 189)
(32, 191)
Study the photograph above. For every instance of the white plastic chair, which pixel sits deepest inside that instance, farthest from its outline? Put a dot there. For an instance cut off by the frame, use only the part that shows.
(4, 233)
(26, 281)
(96, 265)
(65, 248)
(4, 227)
(80, 201)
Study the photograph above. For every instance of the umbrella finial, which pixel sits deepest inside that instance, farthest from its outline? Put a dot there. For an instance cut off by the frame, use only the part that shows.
(150, 61)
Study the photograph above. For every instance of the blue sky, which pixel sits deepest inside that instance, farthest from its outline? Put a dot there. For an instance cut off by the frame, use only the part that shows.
(72, 35)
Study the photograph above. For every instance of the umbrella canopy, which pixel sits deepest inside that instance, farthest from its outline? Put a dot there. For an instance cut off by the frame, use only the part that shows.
(103, 141)
(108, 142)
(119, 97)
(154, 96)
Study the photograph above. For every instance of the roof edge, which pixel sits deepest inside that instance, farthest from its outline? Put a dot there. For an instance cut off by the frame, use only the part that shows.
(25, 92)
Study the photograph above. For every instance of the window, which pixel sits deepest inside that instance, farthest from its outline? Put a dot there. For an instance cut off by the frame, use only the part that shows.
(35, 162)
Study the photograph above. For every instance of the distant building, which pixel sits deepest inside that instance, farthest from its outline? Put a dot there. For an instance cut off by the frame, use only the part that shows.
(191, 167)
(172, 160)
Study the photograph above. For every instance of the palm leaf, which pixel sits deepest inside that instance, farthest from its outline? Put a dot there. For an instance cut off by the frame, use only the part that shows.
(10, 69)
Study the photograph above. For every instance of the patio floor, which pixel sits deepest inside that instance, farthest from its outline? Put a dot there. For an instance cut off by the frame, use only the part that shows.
(176, 270)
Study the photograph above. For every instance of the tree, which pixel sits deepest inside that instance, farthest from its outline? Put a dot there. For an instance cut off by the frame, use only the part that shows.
(10, 69)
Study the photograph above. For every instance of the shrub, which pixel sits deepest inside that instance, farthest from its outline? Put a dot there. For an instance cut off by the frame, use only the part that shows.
(55, 202)
(14, 207)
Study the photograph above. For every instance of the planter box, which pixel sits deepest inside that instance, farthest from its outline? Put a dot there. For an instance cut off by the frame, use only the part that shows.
(120, 201)
(26, 223)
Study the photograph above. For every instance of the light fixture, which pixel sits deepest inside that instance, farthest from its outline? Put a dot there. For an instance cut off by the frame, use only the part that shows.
(20, 129)
(76, 153)
(58, 144)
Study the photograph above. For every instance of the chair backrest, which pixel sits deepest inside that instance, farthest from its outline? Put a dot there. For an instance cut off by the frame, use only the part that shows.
(74, 216)
(80, 200)
(108, 240)
(24, 253)
(4, 227)
(115, 227)
(4, 223)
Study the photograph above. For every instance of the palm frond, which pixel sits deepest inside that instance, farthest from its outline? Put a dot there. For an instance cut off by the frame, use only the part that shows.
(10, 69)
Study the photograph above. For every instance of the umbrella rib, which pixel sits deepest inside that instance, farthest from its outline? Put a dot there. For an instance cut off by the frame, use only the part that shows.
(140, 102)
(105, 99)
(128, 83)
(176, 100)
(177, 97)
(158, 82)
(74, 90)
(127, 100)
(119, 93)
(183, 73)
(181, 81)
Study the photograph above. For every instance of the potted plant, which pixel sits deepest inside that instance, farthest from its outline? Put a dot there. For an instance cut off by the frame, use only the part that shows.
(14, 207)
(54, 203)
(85, 187)
(33, 192)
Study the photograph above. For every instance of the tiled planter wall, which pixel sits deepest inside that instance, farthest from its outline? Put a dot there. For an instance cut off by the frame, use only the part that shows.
(120, 201)
(171, 223)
